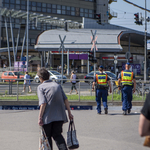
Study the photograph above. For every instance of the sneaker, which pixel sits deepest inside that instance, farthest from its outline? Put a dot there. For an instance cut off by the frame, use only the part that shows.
(77, 93)
(124, 112)
(30, 91)
(106, 111)
(99, 113)
(23, 91)
(129, 110)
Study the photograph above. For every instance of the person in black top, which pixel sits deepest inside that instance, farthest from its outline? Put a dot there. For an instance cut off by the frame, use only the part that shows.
(144, 121)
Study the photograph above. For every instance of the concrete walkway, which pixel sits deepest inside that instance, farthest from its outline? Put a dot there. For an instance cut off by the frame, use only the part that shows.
(19, 130)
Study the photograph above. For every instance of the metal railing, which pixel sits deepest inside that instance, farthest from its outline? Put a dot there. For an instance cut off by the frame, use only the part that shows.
(14, 90)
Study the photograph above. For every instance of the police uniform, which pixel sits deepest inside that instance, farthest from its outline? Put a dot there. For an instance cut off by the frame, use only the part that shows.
(101, 91)
(126, 77)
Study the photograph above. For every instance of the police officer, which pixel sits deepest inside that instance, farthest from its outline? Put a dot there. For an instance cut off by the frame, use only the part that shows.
(125, 79)
(101, 80)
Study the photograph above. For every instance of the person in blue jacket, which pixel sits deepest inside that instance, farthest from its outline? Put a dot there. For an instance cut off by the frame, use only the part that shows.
(127, 84)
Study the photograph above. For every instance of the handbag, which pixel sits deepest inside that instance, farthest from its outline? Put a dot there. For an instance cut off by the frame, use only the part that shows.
(72, 141)
(147, 141)
(43, 141)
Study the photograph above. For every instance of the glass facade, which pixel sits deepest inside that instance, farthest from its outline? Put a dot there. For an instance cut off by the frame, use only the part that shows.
(49, 8)
(40, 7)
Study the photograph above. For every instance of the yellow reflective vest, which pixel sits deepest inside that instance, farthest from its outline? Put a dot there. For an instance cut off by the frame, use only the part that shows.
(101, 79)
(126, 78)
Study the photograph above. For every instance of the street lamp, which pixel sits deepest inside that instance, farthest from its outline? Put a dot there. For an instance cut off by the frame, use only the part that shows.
(27, 37)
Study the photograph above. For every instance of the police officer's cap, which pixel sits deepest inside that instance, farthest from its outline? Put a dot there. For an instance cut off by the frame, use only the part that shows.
(128, 63)
(101, 67)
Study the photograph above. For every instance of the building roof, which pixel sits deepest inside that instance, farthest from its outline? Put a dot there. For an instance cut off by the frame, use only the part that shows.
(79, 40)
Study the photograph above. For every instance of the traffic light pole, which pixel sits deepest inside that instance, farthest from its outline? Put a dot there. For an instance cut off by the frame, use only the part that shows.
(145, 48)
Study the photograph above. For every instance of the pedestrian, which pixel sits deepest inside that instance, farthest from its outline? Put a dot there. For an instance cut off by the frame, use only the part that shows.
(52, 114)
(73, 81)
(27, 81)
(144, 121)
(126, 81)
(101, 80)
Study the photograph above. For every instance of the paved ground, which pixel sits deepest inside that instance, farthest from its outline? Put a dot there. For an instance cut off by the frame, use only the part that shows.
(19, 130)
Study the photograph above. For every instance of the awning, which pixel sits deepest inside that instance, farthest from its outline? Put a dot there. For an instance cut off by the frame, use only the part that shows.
(55, 21)
(79, 40)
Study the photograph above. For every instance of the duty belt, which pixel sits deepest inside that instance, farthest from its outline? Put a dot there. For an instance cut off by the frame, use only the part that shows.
(101, 87)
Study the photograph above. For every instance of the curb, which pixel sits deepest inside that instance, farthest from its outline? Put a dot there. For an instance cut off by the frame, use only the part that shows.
(74, 105)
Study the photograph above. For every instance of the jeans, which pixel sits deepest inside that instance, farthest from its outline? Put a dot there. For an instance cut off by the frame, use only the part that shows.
(126, 98)
(54, 130)
(101, 93)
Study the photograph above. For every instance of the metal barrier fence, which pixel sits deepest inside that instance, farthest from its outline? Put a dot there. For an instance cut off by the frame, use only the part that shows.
(11, 90)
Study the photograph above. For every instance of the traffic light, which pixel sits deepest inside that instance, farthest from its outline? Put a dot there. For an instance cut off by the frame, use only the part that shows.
(137, 20)
(98, 17)
(92, 58)
(148, 59)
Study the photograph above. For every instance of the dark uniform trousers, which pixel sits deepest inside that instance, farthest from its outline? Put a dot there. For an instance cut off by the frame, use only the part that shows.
(126, 98)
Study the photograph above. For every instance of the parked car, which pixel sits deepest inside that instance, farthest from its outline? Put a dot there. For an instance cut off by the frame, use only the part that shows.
(11, 75)
(91, 76)
(54, 75)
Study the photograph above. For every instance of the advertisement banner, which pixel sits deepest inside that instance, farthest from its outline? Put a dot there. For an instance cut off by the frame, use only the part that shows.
(148, 44)
(20, 66)
(134, 67)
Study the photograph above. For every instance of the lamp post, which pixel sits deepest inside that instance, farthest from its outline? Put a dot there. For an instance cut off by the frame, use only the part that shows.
(27, 37)
(145, 48)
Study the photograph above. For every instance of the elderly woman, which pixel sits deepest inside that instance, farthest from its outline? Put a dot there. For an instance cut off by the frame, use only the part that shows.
(52, 115)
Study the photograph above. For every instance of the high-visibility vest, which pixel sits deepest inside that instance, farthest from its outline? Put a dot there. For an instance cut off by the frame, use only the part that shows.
(126, 78)
(101, 79)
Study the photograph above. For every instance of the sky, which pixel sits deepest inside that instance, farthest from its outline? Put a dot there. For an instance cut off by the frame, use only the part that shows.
(126, 11)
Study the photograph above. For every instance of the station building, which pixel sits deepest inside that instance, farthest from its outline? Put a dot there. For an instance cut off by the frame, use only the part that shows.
(48, 19)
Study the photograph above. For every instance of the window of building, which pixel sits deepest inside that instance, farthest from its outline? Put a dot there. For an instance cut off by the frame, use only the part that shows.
(33, 8)
(39, 4)
(6, 1)
(54, 9)
(17, 1)
(44, 9)
(68, 10)
(39, 9)
(32, 41)
(63, 10)
(6, 5)
(33, 3)
(49, 26)
(12, 6)
(49, 10)
(17, 6)
(53, 6)
(58, 9)
(43, 4)
(77, 11)
(23, 2)
(23, 7)
(17, 21)
(12, 1)
(49, 5)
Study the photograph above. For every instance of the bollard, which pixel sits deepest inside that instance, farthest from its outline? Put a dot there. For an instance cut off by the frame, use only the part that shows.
(79, 91)
(17, 90)
(142, 91)
(112, 90)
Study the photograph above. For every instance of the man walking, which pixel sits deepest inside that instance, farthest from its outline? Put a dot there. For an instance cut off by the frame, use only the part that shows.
(125, 79)
(101, 80)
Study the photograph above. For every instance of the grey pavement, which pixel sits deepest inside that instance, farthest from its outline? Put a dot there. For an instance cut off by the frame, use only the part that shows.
(19, 130)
